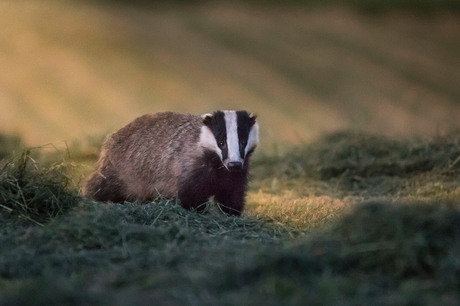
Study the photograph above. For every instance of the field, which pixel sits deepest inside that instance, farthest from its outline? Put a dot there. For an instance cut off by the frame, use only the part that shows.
(355, 190)
(352, 219)
(72, 71)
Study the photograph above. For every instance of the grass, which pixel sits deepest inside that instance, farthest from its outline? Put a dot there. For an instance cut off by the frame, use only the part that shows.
(310, 235)
(348, 219)
(310, 185)
(33, 193)
(124, 254)
(353, 157)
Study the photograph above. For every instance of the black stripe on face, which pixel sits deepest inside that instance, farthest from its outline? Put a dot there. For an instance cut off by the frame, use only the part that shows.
(216, 124)
(245, 124)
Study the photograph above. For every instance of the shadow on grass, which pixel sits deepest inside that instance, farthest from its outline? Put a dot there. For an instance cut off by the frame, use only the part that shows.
(405, 253)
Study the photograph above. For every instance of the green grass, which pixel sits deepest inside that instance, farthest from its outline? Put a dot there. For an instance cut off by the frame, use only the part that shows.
(348, 219)
(310, 235)
(353, 157)
(33, 193)
(309, 186)
(124, 254)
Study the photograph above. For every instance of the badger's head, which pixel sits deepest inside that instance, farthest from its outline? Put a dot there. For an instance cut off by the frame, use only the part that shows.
(231, 135)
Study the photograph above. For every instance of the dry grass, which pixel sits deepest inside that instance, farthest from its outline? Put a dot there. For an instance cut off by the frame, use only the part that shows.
(304, 213)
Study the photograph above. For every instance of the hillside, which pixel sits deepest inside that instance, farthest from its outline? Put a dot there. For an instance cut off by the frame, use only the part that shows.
(74, 69)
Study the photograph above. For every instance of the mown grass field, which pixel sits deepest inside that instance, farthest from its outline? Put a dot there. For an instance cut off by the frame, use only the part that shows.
(355, 190)
(353, 219)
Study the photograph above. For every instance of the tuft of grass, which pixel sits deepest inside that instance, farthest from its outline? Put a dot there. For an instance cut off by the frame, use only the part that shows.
(349, 154)
(358, 155)
(32, 193)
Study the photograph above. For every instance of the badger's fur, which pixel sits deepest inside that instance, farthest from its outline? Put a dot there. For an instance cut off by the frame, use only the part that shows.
(176, 155)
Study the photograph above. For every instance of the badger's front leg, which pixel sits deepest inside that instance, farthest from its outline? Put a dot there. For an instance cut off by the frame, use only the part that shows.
(194, 191)
(193, 198)
(231, 199)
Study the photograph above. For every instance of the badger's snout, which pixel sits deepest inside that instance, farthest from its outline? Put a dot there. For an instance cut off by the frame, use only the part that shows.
(235, 166)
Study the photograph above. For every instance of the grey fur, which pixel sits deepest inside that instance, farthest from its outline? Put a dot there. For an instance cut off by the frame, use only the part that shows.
(147, 157)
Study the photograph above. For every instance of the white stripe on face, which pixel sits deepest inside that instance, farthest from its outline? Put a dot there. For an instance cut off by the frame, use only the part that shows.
(208, 141)
(253, 139)
(233, 143)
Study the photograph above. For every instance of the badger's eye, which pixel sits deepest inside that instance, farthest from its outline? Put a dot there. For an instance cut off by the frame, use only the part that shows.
(222, 143)
(243, 142)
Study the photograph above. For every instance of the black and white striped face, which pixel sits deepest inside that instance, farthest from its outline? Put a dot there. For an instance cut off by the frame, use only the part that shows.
(232, 135)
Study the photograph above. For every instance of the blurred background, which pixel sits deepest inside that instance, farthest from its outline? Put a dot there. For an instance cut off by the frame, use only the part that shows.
(75, 70)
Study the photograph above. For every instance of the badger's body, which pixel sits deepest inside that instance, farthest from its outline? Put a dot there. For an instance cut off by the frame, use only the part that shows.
(175, 155)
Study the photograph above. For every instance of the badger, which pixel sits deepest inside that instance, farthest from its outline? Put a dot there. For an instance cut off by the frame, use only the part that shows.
(182, 156)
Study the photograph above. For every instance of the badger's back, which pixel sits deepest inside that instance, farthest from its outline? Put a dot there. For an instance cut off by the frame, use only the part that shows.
(146, 157)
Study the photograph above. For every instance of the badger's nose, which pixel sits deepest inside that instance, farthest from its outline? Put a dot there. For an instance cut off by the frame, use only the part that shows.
(235, 166)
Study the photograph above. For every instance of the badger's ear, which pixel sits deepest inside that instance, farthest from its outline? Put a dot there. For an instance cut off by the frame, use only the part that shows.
(207, 118)
(252, 118)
